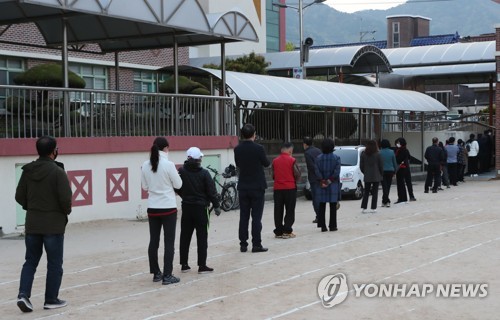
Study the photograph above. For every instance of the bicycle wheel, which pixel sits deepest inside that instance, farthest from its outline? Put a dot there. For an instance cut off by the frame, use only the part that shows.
(228, 197)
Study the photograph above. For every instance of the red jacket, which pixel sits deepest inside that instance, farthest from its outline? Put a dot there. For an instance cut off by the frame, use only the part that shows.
(284, 173)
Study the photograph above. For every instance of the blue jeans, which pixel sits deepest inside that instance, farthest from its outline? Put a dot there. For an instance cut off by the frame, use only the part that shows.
(54, 245)
(314, 190)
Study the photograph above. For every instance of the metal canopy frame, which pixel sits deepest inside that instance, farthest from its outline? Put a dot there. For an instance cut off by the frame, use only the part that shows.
(138, 25)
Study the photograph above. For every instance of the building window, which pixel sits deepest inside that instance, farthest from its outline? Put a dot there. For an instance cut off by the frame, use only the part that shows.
(9, 68)
(96, 77)
(145, 81)
(442, 96)
(395, 35)
(272, 27)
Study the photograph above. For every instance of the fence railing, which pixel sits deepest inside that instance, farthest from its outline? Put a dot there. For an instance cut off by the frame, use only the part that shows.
(279, 124)
(27, 112)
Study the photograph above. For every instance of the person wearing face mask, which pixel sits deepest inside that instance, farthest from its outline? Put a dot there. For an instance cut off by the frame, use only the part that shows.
(45, 193)
(403, 175)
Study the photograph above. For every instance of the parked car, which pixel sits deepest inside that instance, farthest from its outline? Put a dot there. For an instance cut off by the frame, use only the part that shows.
(351, 176)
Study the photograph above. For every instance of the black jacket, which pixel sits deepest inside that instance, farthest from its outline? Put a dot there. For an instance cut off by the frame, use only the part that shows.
(198, 187)
(434, 155)
(44, 192)
(251, 159)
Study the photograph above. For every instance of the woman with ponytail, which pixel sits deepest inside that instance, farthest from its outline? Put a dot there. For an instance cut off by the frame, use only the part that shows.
(160, 179)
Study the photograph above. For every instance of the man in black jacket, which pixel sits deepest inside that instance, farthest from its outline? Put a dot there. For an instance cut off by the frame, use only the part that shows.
(251, 159)
(197, 192)
(434, 156)
(44, 192)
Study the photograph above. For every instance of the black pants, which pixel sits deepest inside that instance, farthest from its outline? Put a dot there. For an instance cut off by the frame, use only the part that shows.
(194, 217)
(155, 224)
(461, 172)
(333, 216)
(400, 181)
(284, 201)
(453, 173)
(371, 188)
(472, 165)
(433, 175)
(386, 186)
(251, 205)
(408, 182)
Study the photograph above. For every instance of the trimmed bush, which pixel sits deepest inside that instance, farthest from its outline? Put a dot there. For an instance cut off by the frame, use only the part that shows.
(186, 86)
(48, 75)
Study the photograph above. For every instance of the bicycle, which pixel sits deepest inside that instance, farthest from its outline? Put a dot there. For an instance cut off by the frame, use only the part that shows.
(228, 195)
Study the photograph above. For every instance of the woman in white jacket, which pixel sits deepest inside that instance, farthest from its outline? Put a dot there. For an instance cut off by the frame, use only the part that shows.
(472, 151)
(160, 179)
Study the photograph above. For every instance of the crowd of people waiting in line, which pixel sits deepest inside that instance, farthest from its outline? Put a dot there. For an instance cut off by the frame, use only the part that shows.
(44, 192)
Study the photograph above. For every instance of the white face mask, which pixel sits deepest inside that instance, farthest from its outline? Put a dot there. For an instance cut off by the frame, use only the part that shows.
(398, 145)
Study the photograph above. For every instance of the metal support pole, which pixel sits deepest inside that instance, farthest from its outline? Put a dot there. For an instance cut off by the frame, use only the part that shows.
(286, 109)
(66, 115)
(118, 96)
(422, 122)
(177, 110)
(359, 126)
(301, 35)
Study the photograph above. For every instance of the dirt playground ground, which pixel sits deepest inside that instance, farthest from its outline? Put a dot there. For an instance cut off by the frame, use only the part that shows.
(451, 237)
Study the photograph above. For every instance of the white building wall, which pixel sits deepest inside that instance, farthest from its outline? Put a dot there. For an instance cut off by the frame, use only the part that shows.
(98, 164)
(246, 7)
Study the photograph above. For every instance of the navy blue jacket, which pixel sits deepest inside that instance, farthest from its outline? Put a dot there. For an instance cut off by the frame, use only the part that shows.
(251, 159)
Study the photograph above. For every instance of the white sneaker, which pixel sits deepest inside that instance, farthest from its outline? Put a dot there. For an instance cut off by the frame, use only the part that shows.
(475, 175)
(373, 210)
(365, 211)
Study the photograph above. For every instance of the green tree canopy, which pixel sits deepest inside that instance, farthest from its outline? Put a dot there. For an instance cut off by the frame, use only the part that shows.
(48, 75)
(252, 63)
(186, 86)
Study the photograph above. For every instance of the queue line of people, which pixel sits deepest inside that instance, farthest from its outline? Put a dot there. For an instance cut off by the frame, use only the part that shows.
(46, 220)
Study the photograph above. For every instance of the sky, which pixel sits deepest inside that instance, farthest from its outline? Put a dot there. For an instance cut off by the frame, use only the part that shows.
(357, 5)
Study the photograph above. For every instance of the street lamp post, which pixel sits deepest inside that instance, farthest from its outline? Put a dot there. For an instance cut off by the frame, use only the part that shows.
(300, 10)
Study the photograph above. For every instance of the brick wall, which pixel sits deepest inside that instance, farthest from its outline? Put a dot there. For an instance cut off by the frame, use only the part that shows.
(28, 33)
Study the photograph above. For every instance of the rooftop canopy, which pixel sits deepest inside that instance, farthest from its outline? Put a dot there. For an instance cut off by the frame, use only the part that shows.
(279, 90)
(136, 25)
(347, 60)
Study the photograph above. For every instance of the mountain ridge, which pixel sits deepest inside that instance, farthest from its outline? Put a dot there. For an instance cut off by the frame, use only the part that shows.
(328, 26)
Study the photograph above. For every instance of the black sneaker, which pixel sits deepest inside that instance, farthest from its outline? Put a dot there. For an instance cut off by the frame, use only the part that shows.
(205, 269)
(185, 268)
(55, 304)
(170, 279)
(259, 249)
(24, 303)
(158, 277)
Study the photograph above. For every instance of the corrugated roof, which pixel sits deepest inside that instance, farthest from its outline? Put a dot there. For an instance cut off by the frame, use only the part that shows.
(134, 25)
(456, 53)
(434, 40)
(270, 89)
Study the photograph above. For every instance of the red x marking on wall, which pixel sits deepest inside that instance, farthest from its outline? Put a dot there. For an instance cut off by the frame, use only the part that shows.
(116, 185)
(81, 185)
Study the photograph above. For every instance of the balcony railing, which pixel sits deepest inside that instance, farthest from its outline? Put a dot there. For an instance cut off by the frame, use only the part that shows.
(28, 112)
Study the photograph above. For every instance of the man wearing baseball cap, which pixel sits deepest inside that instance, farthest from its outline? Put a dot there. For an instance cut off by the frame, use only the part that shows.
(197, 192)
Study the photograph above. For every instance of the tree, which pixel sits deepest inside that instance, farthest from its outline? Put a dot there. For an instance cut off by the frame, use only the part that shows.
(289, 46)
(252, 63)
(186, 86)
(48, 75)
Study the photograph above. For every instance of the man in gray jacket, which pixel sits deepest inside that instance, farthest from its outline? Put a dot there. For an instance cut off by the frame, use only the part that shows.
(44, 192)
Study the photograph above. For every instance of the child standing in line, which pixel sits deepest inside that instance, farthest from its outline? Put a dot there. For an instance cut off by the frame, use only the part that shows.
(286, 173)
